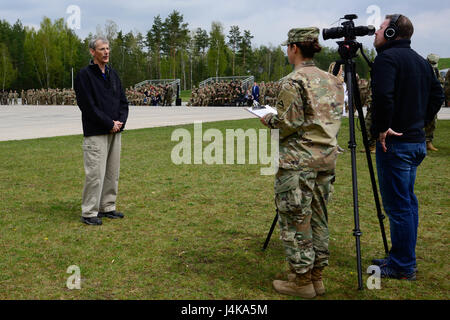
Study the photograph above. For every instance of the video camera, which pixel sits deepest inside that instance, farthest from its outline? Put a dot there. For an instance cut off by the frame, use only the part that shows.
(348, 30)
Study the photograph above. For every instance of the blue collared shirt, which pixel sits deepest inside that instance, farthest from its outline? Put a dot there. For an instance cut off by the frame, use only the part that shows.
(106, 71)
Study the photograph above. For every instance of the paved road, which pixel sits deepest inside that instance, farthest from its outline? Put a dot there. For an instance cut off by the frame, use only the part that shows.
(29, 122)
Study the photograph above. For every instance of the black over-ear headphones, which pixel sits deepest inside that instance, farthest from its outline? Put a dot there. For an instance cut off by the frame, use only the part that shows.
(391, 31)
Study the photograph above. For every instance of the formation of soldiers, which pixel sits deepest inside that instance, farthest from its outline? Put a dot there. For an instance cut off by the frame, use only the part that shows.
(150, 95)
(232, 94)
(218, 94)
(268, 92)
(433, 59)
(39, 97)
(447, 89)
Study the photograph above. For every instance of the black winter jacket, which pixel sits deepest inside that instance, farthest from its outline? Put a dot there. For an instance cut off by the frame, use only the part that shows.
(100, 100)
(406, 92)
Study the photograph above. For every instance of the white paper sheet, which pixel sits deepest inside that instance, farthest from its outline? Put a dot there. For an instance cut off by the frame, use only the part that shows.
(261, 111)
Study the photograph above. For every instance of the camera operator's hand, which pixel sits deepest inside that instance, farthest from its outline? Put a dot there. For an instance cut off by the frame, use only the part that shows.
(383, 135)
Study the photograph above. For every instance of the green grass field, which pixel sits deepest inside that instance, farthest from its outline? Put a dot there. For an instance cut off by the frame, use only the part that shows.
(185, 95)
(444, 63)
(192, 231)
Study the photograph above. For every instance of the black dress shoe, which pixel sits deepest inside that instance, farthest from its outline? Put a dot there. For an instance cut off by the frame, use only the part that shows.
(93, 221)
(111, 214)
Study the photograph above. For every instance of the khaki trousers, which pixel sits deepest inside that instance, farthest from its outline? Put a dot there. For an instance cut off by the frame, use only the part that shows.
(101, 166)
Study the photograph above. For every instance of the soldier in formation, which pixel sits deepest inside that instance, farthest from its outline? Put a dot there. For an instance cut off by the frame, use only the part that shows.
(366, 100)
(447, 88)
(3, 97)
(433, 59)
(39, 97)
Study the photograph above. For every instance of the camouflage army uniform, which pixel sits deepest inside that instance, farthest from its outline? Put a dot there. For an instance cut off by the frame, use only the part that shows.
(262, 93)
(447, 88)
(309, 109)
(22, 97)
(10, 97)
(16, 97)
(433, 59)
(366, 100)
(29, 96)
(169, 96)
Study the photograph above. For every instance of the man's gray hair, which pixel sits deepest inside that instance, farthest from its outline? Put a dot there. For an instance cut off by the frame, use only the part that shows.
(93, 42)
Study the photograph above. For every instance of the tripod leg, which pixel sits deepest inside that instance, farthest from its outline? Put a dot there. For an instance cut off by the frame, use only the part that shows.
(350, 77)
(269, 235)
(362, 122)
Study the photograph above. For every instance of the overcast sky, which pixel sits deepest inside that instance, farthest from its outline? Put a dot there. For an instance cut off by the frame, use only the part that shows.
(268, 20)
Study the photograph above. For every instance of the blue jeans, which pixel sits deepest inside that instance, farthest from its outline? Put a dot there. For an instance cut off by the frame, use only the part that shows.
(396, 175)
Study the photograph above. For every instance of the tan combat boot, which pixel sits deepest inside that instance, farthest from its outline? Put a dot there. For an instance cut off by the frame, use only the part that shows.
(300, 287)
(431, 147)
(316, 278)
(288, 274)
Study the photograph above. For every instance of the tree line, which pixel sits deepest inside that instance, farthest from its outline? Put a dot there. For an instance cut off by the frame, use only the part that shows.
(46, 58)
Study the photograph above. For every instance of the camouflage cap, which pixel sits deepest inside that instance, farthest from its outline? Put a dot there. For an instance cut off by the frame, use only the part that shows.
(433, 58)
(302, 35)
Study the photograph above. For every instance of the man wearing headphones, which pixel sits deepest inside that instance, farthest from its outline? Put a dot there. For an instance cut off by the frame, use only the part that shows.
(406, 97)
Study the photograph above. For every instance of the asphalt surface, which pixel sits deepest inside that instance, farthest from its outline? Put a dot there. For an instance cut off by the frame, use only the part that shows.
(28, 122)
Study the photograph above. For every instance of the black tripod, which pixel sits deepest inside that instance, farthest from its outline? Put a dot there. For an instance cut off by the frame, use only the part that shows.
(347, 51)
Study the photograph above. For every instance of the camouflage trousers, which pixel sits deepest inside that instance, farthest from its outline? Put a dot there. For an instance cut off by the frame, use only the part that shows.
(368, 122)
(429, 130)
(301, 198)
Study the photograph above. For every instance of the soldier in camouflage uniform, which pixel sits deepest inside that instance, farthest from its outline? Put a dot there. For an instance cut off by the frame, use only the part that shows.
(309, 109)
(29, 96)
(262, 93)
(164, 96)
(22, 97)
(10, 97)
(169, 95)
(42, 97)
(433, 59)
(447, 88)
(16, 97)
(366, 100)
(340, 74)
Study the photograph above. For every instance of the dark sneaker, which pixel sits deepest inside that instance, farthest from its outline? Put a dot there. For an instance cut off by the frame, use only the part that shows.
(379, 262)
(93, 221)
(388, 272)
(383, 262)
(111, 214)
